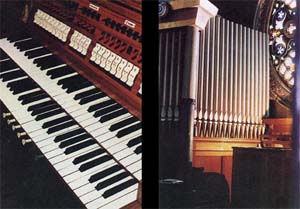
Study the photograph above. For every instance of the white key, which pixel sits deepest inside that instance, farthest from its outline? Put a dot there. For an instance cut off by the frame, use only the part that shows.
(83, 186)
(99, 202)
(95, 51)
(69, 162)
(93, 195)
(86, 46)
(109, 61)
(87, 174)
(126, 72)
(54, 146)
(70, 169)
(100, 54)
(132, 75)
(34, 126)
(81, 43)
(115, 64)
(120, 145)
(122, 201)
(62, 157)
(93, 129)
(104, 58)
(41, 136)
(138, 174)
(115, 140)
(124, 153)
(135, 166)
(120, 68)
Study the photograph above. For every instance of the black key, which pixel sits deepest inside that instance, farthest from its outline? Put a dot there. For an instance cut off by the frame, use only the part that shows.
(78, 78)
(37, 52)
(35, 98)
(73, 83)
(111, 180)
(49, 114)
(129, 130)
(32, 94)
(138, 150)
(68, 135)
(21, 89)
(86, 93)
(61, 126)
(18, 36)
(19, 83)
(79, 86)
(107, 110)
(23, 43)
(101, 105)
(42, 60)
(94, 162)
(26, 87)
(56, 121)
(134, 141)
(3, 55)
(92, 98)
(105, 173)
(48, 62)
(115, 114)
(122, 123)
(68, 80)
(55, 61)
(26, 45)
(59, 72)
(77, 147)
(87, 156)
(73, 80)
(74, 140)
(7, 65)
(45, 109)
(40, 105)
(119, 188)
(12, 75)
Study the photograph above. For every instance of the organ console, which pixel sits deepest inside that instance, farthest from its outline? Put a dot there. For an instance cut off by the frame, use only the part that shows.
(217, 87)
(71, 81)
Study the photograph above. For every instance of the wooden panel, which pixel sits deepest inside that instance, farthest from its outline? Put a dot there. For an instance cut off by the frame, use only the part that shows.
(220, 146)
(279, 126)
(227, 169)
(278, 132)
(218, 164)
(215, 154)
(210, 164)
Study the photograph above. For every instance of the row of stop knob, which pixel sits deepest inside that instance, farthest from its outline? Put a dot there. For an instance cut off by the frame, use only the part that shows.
(15, 126)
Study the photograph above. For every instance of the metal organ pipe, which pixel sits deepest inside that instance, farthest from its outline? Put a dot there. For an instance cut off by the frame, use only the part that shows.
(212, 84)
(233, 84)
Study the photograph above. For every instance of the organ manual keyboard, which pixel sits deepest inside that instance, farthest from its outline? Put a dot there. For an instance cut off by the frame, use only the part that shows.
(72, 86)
